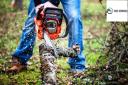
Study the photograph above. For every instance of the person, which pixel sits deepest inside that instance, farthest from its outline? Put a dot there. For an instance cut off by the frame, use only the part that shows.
(25, 48)
(18, 4)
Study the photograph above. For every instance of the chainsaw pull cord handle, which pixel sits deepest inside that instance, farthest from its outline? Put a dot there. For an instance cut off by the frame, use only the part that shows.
(67, 27)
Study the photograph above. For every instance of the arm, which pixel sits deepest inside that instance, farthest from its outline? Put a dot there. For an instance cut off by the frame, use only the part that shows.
(38, 2)
(56, 3)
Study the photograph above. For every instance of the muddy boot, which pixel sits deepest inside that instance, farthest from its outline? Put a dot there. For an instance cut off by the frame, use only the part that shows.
(16, 67)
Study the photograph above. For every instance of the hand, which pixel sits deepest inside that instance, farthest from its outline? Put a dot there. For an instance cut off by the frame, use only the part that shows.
(45, 5)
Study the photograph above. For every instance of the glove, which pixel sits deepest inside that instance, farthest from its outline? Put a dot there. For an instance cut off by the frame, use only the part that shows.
(45, 5)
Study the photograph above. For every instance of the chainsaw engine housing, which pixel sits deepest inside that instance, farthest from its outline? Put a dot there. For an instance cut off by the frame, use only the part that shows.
(50, 22)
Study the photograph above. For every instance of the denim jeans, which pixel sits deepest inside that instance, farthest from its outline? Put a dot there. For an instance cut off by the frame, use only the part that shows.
(72, 10)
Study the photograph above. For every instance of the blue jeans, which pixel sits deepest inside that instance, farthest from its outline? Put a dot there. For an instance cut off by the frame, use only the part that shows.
(72, 10)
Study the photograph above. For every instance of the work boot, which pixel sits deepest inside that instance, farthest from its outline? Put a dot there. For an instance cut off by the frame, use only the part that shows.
(17, 66)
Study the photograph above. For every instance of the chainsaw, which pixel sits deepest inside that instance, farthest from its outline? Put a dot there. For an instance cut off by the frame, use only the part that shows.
(48, 27)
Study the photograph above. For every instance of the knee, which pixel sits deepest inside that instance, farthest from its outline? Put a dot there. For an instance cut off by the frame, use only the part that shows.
(74, 15)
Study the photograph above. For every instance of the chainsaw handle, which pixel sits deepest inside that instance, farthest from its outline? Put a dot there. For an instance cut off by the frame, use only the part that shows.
(38, 13)
(67, 27)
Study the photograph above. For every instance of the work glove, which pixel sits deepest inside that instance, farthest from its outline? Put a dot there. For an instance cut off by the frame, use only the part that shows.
(45, 5)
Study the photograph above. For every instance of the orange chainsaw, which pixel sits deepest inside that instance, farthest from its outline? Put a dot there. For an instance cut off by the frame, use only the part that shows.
(48, 27)
(49, 21)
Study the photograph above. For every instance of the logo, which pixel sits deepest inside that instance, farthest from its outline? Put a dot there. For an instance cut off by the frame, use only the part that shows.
(116, 12)
(109, 10)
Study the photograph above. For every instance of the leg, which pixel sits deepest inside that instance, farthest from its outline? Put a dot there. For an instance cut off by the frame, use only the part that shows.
(25, 49)
(19, 4)
(72, 10)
